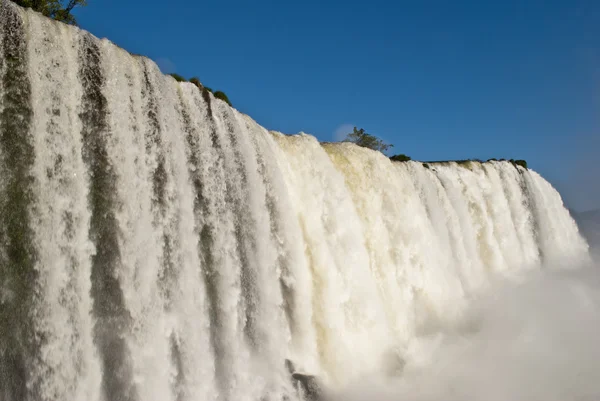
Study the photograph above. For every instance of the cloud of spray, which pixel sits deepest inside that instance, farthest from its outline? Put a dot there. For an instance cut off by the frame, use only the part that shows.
(533, 340)
(165, 65)
(342, 131)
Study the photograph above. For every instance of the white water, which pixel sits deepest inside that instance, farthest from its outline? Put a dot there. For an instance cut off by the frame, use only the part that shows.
(222, 249)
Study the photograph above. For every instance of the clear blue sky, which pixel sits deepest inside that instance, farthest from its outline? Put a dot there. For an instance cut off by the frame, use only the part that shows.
(438, 79)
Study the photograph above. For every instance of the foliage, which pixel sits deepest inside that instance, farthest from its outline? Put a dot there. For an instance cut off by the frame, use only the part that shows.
(177, 77)
(222, 96)
(54, 8)
(521, 163)
(196, 82)
(400, 158)
(467, 162)
(361, 138)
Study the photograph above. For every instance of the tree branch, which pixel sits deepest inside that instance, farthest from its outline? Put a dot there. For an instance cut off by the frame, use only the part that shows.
(71, 5)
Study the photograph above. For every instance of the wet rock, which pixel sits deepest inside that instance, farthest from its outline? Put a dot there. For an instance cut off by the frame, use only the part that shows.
(309, 386)
(312, 389)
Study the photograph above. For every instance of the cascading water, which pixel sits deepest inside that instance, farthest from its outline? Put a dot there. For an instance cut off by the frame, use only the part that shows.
(156, 244)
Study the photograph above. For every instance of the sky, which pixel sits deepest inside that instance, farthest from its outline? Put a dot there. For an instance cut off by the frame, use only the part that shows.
(440, 80)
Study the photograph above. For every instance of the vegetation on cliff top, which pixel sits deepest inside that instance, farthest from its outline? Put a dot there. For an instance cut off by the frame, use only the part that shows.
(177, 77)
(467, 162)
(55, 9)
(221, 95)
(60, 10)
(400, 158)
(217, 94)
(521, 163)
(362, 138)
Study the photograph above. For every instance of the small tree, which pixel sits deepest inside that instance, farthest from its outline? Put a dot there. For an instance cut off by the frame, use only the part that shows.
(361, 138)
(54, 8)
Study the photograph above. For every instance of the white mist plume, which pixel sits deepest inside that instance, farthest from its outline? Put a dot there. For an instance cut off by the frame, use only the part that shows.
(342, 131)
(536, 340)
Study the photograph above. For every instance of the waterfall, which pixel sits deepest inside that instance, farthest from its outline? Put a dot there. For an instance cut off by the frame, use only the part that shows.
(157, 244)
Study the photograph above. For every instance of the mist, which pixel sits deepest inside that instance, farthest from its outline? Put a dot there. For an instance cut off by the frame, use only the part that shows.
(535, 339)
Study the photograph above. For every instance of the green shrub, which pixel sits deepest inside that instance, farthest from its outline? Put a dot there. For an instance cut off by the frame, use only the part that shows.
(467, 163)
(196, 82)
(177, 77)
(221, 95)
(521, 163)
(400, 158)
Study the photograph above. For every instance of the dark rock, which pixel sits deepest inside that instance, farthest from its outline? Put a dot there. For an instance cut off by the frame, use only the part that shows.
(309, 386)
(312, 390)
(290, 366)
